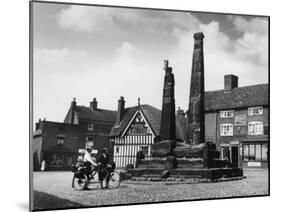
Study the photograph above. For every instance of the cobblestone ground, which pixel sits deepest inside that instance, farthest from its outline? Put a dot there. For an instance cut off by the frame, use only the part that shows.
(53, 190)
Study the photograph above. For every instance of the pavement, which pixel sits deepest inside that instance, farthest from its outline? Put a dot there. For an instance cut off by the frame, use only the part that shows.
(52, 190)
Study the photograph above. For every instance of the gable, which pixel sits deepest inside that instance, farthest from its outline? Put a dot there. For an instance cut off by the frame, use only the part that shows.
(68, 118)
(138, 125)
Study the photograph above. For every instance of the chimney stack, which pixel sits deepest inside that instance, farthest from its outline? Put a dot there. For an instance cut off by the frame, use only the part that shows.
(230, 82)
(73, 108)
(94, 104)
(120, 110)
(73, 103)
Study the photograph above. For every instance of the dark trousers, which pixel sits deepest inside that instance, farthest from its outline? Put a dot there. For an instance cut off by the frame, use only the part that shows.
(88, 170)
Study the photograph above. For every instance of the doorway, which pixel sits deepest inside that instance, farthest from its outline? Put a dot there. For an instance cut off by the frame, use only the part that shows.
(234, 156)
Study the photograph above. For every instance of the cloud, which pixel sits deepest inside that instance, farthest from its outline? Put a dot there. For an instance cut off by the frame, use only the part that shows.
(84, 18)
(134, 67)
(93, 19)
(254, 25)
(245, 57)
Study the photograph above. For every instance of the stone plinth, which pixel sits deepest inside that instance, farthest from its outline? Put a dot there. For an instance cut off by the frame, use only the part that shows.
(186, 173)
(163, 148)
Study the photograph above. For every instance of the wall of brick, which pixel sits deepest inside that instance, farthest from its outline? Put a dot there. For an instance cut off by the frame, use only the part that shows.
(210, 127)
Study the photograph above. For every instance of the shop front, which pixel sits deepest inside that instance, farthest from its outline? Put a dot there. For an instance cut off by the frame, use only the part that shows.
(255, 154)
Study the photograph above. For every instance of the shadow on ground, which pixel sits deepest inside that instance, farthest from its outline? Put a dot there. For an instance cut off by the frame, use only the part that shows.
(43, 201)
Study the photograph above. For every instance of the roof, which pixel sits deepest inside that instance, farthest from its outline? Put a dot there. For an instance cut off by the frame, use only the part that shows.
(96, 114)
(153, 117)
(241, 97)
(82, 112)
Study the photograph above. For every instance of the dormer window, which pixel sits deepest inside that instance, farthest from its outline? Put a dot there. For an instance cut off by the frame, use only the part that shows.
(91, 127)
(252, 111)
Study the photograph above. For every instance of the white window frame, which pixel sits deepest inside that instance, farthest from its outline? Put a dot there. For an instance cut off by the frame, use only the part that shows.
(224, 132)
(227, 114)
(258, 130)
(60, 141)
(91, 127)
(88, 142)
(252, 109)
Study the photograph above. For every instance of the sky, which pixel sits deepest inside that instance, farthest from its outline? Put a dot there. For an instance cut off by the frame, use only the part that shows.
(104, 52)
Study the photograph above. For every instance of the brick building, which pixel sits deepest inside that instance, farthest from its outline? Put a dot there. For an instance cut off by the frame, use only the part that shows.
(58, 143)
(236, 119)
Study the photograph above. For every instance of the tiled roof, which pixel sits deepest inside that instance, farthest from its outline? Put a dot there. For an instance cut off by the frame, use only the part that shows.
(153, 116)
(82, 112)
(242, 97)
(96, 115)
(127, 116)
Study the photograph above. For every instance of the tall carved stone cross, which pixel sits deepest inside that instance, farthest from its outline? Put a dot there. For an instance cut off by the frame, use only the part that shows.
(196, 115)
(167, 126)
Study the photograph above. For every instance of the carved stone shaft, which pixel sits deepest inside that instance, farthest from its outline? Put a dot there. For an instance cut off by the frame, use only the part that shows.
(196, 116)
(168, 123)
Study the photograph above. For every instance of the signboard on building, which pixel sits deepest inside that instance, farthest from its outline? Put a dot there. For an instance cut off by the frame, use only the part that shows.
(254, 164)
(240, 120)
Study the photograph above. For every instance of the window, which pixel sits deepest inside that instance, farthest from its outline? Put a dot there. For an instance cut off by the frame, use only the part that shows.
(91, 126)
(255, 128)
(117, 150)
(245, 152)
(226, 130)
(90, 141)
(60, 141)
(255, 152)
(252, 111)
(258, 152)
(264, 152)
(226, 114)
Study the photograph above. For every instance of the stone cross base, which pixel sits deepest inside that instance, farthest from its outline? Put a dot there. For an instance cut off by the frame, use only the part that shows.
(163, 148)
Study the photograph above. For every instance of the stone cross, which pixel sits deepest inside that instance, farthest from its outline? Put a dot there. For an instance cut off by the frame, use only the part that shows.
(196, 115)
(167, 126)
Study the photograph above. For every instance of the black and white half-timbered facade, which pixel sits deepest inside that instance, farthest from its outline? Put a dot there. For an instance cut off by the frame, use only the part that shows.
(136, 129)
(138, 135)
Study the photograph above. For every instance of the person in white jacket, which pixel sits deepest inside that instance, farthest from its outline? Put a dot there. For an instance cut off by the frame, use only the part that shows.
(89, 162)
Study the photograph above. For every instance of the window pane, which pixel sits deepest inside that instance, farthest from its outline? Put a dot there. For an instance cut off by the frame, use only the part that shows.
(264, 152)
(258, 152)
(252, 152)
(246, 152)
(226, 129)
(255, 128)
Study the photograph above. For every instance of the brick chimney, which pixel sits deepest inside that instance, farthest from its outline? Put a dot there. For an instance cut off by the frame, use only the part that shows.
(230, 82)
(120, 110)
(180, 112)
(94, 104)
(38, 125)
(73, 106)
